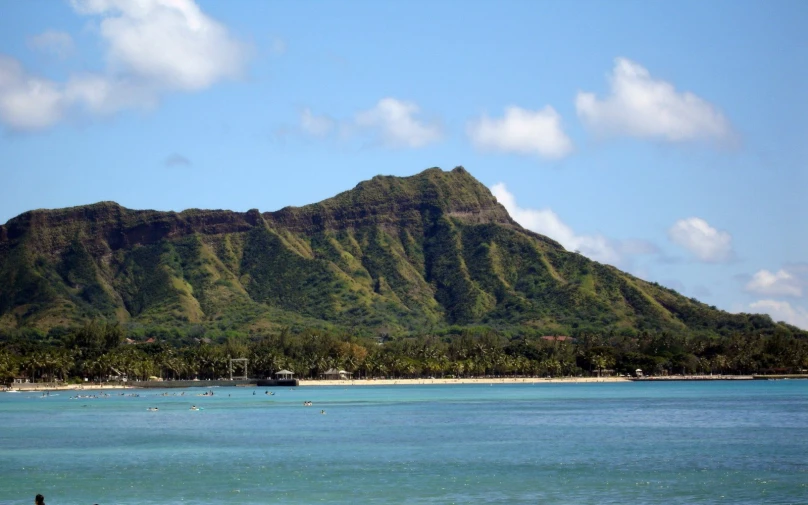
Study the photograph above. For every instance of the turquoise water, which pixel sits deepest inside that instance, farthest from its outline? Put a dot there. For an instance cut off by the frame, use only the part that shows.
(705, 442)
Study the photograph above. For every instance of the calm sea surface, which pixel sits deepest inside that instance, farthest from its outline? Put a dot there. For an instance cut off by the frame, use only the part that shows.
(705, 442)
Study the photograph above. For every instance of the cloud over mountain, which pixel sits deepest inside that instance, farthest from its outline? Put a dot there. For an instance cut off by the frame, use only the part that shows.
(640, 105)
(395, 124)
(705, 242)
(780, 283)
(782, 311)
(547, 222)
(522, 131)
(391, 123)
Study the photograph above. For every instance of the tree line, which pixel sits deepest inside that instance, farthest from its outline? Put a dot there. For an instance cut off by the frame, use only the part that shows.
(98, 351)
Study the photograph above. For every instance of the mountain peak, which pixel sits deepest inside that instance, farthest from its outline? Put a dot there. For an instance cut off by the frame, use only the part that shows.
(392, 199)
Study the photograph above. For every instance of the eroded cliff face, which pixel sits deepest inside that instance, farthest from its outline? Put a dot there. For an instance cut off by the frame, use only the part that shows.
(381, 201)
(398, 201)
(394, 253)
(49, 232)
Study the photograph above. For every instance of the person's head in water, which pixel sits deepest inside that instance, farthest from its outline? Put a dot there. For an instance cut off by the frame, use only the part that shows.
(39, 500)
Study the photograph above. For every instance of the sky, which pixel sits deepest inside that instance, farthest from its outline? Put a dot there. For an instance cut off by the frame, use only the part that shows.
(669, 139)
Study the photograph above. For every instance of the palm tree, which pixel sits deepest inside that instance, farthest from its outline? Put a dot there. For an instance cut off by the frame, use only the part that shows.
(8, 367)
(601, 362)
(459, 367)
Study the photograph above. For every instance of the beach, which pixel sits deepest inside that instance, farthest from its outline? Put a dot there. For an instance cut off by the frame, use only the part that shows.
(344, 382)
(49, 386)
(414, 382)
(420, 382)
(411, 382)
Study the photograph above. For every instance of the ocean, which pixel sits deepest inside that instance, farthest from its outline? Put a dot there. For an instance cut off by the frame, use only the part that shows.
(727, 442)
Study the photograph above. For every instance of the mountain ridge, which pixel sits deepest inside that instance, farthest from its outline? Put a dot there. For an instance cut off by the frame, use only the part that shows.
(392, 254)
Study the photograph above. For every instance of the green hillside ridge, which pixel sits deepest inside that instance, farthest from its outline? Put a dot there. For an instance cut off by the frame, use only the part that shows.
(394, 255)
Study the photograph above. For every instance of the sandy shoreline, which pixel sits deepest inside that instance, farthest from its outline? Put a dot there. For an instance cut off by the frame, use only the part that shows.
(403, 382)
(63, 387)
(413, 382)
(356, 382)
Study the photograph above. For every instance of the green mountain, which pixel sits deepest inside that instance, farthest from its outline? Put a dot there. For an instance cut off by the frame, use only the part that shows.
(392, 255)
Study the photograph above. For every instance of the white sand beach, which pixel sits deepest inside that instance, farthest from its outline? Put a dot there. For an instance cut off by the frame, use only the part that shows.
(344, 383)
(500, 380)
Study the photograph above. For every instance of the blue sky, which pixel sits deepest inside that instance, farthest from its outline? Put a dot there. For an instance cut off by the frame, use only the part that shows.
(667, 138)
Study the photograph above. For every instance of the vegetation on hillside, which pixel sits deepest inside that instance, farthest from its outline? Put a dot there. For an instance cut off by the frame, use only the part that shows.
(394, 256)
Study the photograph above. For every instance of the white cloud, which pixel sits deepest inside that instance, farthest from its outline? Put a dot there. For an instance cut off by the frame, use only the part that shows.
(169, 42)
(782, 311)
(547, 222)
(152, 47)
(522, 131)
(781, 283)
(316, 125)
(59, 44)
(99, 94)
(27, 102)
(642, 106)
(394, 122)
(697, 236)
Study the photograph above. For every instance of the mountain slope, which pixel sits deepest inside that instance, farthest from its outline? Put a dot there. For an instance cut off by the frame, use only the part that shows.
(392, 254)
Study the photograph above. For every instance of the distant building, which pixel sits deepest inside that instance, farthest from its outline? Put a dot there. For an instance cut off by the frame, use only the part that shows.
(334, 374)
(558, 338)
(129, 341)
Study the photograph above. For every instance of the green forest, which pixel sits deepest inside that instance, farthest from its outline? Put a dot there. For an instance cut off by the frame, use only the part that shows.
(99, 350)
